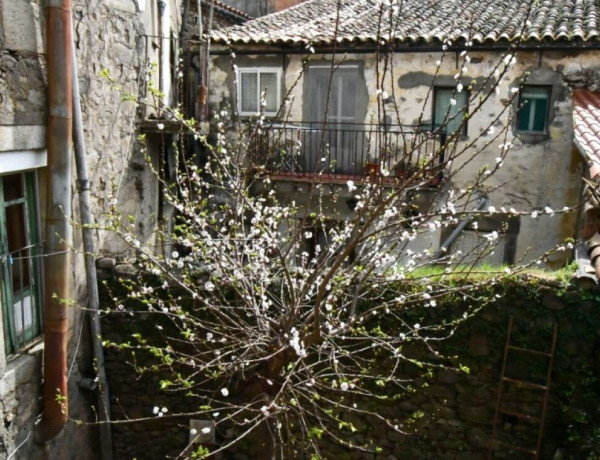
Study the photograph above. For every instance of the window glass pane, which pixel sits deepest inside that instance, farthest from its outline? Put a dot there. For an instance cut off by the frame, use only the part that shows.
(249, 92)
(16, 233)
(23, 311)
(13, 187)
(349, 95)
(533, 110)
(318, 87)
(333, 99)
(338, 91)
(268, 83)
(524, 115)
(539, 117)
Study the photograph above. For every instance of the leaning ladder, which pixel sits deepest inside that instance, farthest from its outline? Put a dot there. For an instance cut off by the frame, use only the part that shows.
(505, 381)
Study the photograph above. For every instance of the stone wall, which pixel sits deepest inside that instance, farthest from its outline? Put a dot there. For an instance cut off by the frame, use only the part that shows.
(109, 40)
(448, 415)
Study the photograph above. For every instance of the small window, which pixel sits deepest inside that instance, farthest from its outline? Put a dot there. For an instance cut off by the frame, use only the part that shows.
(252, 83)
(450, 108)
(19, 261)
(533, 109)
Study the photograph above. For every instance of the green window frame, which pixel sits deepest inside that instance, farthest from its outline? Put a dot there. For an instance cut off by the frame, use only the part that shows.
(534, 105)
(448, 114)
(20, 274)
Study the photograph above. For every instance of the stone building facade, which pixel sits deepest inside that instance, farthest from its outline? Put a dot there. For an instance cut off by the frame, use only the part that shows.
(408, 71)
(115, 43)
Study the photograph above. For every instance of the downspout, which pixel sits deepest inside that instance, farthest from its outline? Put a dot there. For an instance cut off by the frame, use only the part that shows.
(58, 213)
(93, 302)
(164, 52)
(206, 76)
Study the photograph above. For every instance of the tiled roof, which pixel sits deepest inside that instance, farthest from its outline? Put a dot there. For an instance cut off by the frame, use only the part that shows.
(586, 123)
(421, 21)
(225, 9)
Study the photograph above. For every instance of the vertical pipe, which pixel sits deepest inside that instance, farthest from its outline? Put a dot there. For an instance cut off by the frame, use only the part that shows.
(83, 188)
(58, 213)
(164, 52)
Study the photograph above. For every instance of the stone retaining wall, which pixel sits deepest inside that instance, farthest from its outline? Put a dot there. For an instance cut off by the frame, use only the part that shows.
(448, 416)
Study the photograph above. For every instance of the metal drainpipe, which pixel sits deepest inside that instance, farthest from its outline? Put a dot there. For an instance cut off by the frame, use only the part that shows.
(164, 84)
(87, 221)
(205, 83)
(58, 213)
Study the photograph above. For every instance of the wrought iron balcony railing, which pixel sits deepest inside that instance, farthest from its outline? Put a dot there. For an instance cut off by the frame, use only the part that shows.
(343, 151)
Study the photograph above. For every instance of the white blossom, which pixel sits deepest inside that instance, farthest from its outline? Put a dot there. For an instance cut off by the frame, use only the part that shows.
(493, 236)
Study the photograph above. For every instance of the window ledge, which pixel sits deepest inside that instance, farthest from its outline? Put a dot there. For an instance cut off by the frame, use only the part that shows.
(21, 368)
(528, 137)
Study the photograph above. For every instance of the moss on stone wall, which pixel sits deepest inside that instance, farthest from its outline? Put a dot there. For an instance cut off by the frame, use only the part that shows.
(448, 411)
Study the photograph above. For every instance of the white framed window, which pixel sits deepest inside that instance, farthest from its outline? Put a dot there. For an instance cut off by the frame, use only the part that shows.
(252, 82)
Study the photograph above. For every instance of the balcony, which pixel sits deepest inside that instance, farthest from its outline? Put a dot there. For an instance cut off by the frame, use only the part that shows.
(311, 151)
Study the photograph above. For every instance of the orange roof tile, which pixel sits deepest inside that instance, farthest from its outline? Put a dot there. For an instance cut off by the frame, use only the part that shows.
(586, 123)
(323, 22)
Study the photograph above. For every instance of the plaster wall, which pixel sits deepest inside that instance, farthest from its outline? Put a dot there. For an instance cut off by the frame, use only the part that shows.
(538, 172)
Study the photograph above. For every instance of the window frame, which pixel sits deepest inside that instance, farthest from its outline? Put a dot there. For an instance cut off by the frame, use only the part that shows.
(15, 340)
(334, 79)
(452, 89)
(258, 71)
(523, 88)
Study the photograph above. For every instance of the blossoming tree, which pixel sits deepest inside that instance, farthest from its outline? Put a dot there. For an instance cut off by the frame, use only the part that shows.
(283, 333)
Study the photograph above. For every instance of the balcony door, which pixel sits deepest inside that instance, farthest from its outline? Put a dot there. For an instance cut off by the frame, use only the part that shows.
(333, 107)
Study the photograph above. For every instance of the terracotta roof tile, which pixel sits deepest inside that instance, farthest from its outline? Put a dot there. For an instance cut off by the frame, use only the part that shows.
(409, 21)
(586, 123)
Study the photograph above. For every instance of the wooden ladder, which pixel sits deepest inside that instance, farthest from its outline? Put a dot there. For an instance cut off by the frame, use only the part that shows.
(506, 381)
